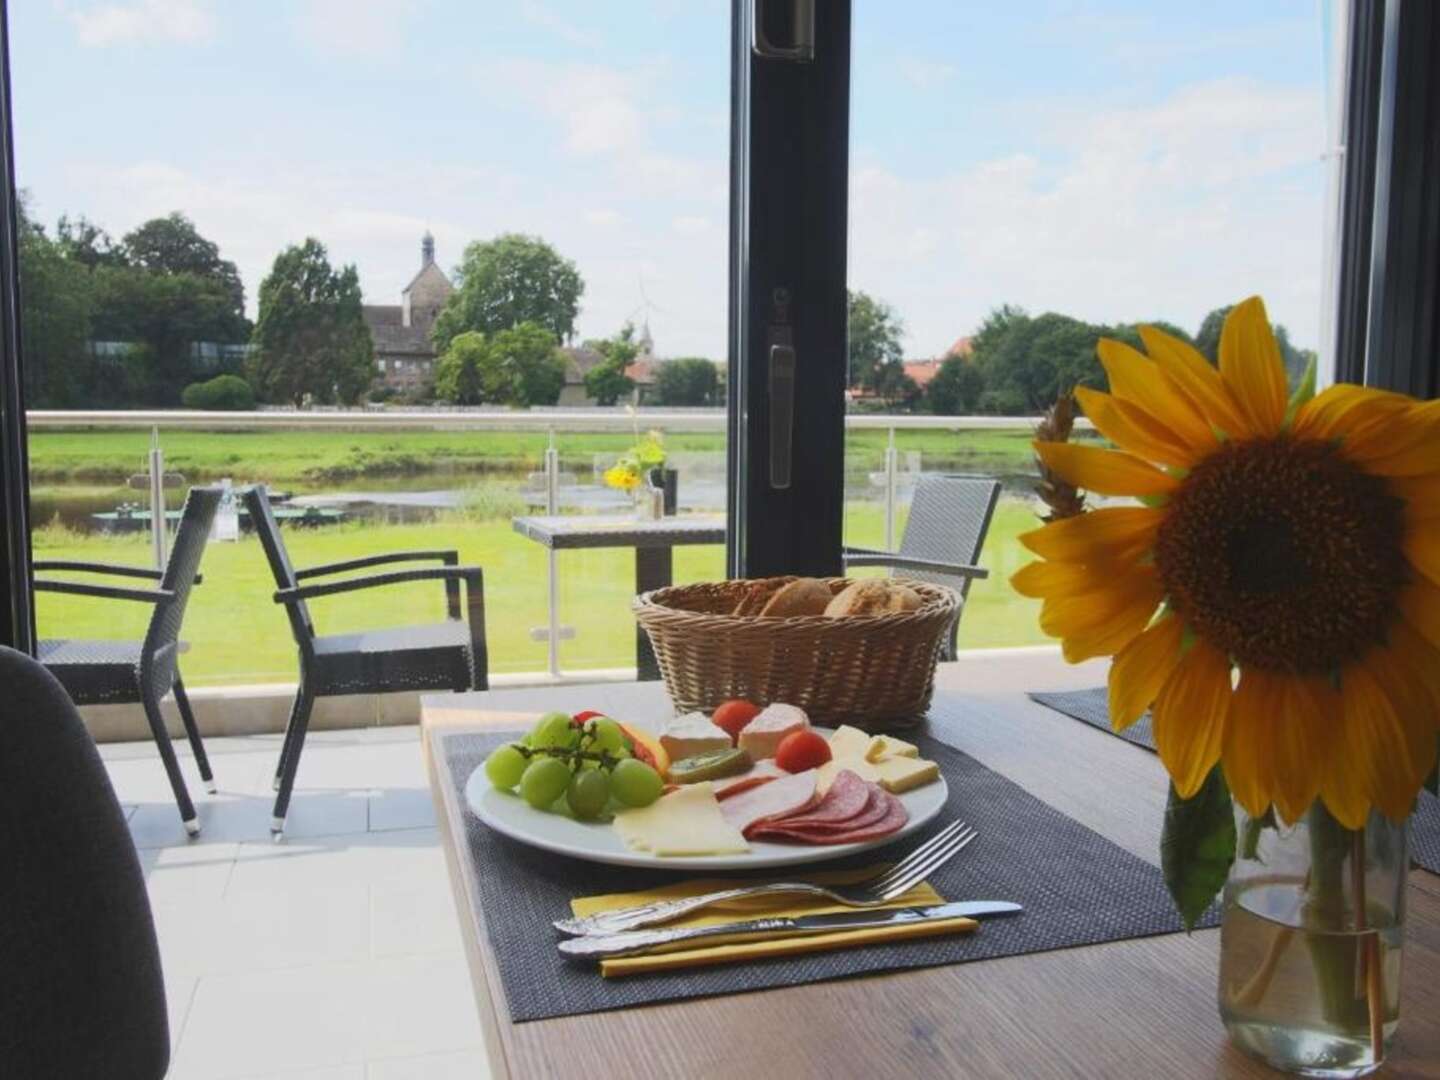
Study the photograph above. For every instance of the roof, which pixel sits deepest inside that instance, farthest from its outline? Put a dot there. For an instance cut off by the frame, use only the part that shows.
(428, 268)
(578, 362)
(642, 370)
(963, 346)
(409, 340)
(922, 371)
(382, 315)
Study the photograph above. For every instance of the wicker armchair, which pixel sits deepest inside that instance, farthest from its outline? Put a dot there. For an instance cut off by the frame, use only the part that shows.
(119, 672)
(444, 656)
(949, 517)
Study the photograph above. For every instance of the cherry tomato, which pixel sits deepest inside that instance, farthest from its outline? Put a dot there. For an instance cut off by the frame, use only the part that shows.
(578, 720)
(734, 715)
(801, 750)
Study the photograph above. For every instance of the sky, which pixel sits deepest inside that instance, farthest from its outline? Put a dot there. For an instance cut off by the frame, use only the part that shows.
(1112, 161)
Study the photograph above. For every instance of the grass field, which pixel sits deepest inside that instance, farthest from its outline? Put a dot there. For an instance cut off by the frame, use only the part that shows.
(327, 457)
(239, 636)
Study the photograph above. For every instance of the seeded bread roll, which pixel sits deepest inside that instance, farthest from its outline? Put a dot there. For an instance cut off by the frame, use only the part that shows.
(805, 596)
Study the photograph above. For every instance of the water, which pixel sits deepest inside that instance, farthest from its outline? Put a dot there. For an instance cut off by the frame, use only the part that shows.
(1300, 998)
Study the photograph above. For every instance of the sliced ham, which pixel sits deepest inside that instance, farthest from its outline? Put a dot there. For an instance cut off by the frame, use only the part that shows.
(852, 810)
(848, 796)
(894, 820)
(762, 772)
(775, 799)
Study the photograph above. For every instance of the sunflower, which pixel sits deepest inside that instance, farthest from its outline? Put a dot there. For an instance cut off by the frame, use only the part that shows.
(1275, 597)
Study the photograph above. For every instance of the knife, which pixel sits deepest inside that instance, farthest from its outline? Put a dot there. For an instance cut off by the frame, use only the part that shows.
(629, 943)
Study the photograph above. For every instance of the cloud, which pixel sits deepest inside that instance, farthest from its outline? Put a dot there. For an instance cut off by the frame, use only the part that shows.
(603, 217)
(595, 106)
(143, 22)
(352, 27)
(538, 14)
(1109, 215)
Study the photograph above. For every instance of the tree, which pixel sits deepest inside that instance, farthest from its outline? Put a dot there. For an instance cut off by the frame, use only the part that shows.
(310, 338)
(507, 281)
(875, 343)
(466, 374)
(687, 380)
(520, 366)
(84, 242)
(956, 388)
(56, 308)
(222, 393)
(607, 382)
(171, 245)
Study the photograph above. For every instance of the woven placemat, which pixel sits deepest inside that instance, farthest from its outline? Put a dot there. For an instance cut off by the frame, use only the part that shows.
(1093, 707)
(1077, 887)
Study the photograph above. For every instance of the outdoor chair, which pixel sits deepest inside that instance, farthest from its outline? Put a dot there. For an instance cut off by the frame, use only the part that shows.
(949, 517)
(97, 672)
(443, 656)
(81, 991)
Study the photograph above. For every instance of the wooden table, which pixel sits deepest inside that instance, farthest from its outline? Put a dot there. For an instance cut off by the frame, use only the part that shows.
(654, 542)
(1140, 1008)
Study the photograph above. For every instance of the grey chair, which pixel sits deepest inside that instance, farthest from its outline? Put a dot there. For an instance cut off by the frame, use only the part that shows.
(444, 656)
(99, 672)
(949, 518)
(81, 990)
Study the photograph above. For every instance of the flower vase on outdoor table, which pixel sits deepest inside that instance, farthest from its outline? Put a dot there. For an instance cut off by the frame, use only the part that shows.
(1274, 598)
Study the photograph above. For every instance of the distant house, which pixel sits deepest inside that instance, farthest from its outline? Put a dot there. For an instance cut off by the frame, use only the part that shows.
(404, 355)
(580, 360)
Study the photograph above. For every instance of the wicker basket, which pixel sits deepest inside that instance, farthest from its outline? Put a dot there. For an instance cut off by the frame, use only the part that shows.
(873, 671)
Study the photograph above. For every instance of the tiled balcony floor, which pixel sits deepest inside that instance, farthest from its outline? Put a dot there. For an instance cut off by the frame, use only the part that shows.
(335, 955)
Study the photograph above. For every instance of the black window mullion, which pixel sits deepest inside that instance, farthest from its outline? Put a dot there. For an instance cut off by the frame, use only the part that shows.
(789, 183)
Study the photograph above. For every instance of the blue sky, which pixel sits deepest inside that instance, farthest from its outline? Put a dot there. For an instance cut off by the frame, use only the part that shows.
(1110, 160)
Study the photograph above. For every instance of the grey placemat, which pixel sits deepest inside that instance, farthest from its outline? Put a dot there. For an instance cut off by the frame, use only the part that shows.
(1078, 888)
(1093, 707)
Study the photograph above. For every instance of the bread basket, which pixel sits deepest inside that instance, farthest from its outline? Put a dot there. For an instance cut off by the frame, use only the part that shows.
(872, 671)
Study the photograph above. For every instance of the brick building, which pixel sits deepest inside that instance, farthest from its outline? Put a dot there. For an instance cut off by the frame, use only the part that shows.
(404, 356)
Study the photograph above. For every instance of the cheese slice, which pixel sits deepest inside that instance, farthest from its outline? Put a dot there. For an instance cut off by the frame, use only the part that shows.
(836, 765)
(898, 774)
(693, 734)
(883, 746)
(849, 742)
(685, 822)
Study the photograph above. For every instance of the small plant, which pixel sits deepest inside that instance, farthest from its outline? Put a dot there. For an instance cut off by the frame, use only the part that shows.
(224, 393)
(631, 468)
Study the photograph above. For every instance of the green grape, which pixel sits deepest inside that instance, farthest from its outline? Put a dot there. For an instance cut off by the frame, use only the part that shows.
(554, 730)
(635, 783)
(544, 781)
(505, 766)
(607, 733)
(588, 793)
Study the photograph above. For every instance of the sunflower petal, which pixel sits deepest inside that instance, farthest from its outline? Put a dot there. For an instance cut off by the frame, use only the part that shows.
(1420, 607)
(1378, 742)
(1105, 472)
(1115, 534)
(1133, 429)
(1422, 547)
(1045, 578)
(1189, 718)
(1251, 365)
(1303, 739)
(1248, 750)
(1139, 380)
(1141, 668)
(1421, 495)
(1342, 788)
(1102, 623)
(1198, 380)
(1343, 409)
(1407, 445)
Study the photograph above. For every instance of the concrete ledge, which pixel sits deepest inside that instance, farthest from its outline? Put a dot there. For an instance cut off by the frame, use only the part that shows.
(265, 708)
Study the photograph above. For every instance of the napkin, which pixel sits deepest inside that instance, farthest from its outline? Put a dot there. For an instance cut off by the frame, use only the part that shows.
(921, 895)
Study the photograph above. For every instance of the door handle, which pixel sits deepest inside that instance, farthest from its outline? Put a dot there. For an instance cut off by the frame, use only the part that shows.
(782, 413)
(802, 26)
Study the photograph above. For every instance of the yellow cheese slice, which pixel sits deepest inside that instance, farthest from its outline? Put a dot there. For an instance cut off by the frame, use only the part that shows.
(899, 774)
(883, 746)
(848, 742)
(685, 822)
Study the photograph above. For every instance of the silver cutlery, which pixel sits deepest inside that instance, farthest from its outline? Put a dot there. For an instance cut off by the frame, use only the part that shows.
(631, 943)
(874, 891)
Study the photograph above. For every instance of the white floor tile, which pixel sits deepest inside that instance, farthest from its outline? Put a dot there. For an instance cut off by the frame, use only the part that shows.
(248, 817)
(421, 1004)
(401, 808)
(196, 873)
(405, 921)
(466, 1065)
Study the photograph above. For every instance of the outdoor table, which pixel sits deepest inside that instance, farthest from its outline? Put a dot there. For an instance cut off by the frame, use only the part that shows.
(653, 541)
(1143, 1007)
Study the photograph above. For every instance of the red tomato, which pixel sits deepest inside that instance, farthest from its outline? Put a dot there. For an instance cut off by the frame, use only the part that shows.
(578, 720)
(801, 750)
(734, 715)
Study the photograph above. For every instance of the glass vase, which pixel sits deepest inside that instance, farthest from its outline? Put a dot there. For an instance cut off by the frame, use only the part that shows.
(1310, 941)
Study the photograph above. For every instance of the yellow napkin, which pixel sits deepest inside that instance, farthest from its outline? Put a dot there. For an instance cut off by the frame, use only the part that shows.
(921, 895)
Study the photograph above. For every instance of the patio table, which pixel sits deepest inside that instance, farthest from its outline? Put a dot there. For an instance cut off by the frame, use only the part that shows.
(1134, 1008)
(654, 543)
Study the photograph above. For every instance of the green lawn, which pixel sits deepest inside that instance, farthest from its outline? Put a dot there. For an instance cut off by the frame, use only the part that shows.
(327, 457)
(239, 636)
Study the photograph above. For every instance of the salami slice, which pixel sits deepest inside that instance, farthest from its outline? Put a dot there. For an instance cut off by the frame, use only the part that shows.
(876, 807)
(781, 796)
(848, 797)
(893, 820)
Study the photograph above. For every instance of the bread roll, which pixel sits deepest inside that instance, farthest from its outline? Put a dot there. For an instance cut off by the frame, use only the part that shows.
(873, 596)
(805, 596)
(758, 593)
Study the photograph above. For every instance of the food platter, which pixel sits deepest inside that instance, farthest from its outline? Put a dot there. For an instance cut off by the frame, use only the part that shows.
(595, 841)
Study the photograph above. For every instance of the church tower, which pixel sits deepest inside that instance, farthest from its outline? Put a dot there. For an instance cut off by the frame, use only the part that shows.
(427, 292)
(427, 249)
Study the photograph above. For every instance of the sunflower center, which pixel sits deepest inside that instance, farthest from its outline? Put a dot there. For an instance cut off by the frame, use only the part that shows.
(1283, 554)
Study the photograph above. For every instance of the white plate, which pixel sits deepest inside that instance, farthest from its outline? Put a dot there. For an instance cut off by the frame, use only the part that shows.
(597, 841)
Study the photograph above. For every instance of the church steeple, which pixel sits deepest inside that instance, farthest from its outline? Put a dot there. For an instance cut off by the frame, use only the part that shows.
(427, 250)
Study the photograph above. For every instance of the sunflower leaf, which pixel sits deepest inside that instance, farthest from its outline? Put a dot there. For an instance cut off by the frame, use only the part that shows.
(1197, 846)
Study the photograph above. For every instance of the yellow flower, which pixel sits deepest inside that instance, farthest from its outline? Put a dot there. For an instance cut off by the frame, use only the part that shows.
(618, 476)
(1297, 546)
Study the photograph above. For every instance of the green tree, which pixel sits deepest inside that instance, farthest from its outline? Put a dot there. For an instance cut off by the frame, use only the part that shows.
(171, 245)
(531, 360)
(686, 380)
(507, 281)
(607, 382)
(1027, 361)
(56, 308)
(466, 373)
(875, 335)
(222, 393)
(84, 242)
(311, 338)
(956, 388)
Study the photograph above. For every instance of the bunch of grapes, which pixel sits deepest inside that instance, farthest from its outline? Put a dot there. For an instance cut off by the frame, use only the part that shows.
(587, 762)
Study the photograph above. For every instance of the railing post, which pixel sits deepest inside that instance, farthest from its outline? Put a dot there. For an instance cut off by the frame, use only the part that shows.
(552, 507)
(891, 480)
(157, 499)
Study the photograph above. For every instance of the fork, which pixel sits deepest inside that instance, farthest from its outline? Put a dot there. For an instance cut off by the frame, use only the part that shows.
(874, 891)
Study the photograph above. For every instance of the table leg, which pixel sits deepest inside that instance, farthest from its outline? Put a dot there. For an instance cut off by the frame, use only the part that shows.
(654, 569)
